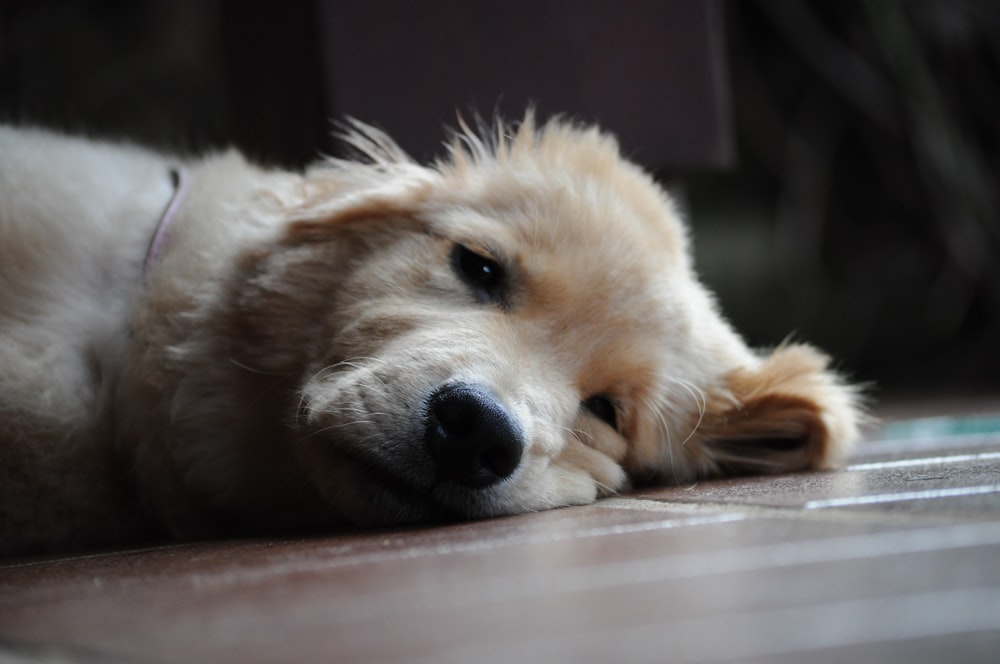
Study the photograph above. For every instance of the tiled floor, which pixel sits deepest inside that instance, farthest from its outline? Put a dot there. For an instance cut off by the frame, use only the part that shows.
(896, 558)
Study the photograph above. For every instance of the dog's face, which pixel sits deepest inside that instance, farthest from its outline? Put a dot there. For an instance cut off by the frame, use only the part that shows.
(516, 329)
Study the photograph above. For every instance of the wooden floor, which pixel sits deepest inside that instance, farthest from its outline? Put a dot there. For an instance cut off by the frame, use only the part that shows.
(896, 558)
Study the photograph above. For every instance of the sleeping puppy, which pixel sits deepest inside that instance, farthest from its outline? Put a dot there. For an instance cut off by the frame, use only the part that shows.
(202, 346)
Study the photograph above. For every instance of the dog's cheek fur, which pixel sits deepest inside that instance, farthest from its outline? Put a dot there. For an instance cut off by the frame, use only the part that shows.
(789, 413)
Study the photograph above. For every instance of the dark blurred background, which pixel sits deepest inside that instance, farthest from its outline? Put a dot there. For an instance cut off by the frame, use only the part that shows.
(838, 160)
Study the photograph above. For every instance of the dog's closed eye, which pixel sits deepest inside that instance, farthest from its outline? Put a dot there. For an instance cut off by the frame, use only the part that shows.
(483, 275)
(603, 409)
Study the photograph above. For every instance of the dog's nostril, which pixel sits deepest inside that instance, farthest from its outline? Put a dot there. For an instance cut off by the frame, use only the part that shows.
(471, 437)
(501, 460)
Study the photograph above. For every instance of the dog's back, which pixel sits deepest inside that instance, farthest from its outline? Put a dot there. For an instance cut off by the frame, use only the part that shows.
(75, 217)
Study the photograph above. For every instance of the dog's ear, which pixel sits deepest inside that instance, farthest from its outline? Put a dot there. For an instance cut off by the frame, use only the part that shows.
(344, 198)
(354, 221)
(788, 413)
(281, 292)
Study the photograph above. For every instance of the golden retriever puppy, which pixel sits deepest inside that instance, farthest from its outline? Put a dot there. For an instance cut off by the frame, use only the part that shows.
(196, 346)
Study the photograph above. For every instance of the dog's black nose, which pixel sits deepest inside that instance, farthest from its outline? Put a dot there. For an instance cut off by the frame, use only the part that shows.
(471, 437)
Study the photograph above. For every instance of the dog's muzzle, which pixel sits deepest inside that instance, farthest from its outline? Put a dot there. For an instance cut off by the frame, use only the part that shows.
(471, 437)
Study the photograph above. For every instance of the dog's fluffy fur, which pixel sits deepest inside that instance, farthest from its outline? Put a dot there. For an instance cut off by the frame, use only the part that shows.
(283, 364)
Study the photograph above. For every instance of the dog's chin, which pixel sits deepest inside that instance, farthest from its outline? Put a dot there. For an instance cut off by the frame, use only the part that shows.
(369, 493)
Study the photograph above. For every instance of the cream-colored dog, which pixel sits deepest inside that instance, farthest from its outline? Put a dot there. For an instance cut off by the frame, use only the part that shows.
(196, 346)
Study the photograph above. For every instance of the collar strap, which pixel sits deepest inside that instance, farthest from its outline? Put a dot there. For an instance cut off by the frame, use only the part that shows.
(179, 179)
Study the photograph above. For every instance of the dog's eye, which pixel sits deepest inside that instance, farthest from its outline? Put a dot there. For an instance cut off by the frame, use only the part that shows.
(601, 407)
(483, 274)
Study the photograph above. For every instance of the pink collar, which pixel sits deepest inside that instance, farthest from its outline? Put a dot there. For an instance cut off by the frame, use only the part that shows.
(179, 180)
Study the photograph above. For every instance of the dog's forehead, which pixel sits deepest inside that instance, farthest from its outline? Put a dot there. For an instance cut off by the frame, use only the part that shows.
(594, 262)
(623, 216)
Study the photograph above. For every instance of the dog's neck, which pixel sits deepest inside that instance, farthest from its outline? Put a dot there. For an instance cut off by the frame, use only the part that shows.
(179, 179)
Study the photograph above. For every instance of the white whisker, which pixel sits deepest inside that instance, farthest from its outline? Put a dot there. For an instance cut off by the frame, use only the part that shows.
(665, 429)
(335, 426)
(700, 401)
(576, 433)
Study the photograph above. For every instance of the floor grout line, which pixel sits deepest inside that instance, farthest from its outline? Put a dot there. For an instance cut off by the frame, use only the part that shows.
(924, 461)
(902, 496)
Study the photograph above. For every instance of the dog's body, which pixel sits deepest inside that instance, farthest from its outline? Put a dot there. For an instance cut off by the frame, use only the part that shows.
(513, 329)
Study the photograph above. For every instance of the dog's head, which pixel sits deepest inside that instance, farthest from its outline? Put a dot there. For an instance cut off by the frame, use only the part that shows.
(514, 328)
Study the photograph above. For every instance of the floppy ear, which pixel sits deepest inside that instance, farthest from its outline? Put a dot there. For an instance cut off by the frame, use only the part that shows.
(282, 292)
(788, 413)
(364, 223)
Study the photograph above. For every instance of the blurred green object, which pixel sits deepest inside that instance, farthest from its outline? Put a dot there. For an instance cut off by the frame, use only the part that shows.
(940, 428)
